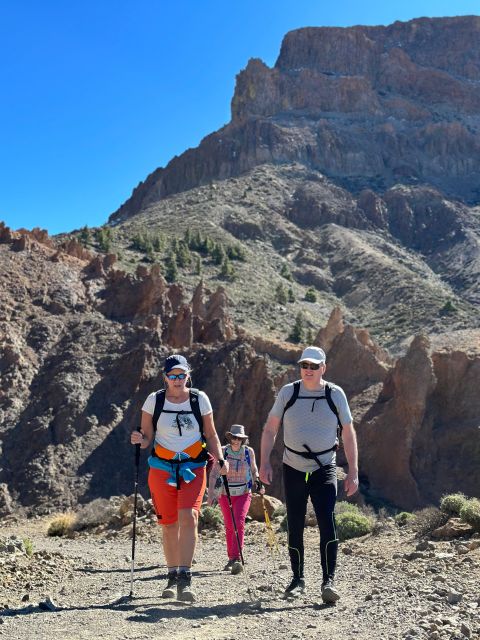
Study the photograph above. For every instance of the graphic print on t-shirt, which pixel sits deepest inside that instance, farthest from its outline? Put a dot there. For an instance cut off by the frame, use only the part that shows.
(185, 422)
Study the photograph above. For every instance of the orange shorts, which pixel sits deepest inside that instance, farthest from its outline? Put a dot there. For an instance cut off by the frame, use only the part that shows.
(167, 500)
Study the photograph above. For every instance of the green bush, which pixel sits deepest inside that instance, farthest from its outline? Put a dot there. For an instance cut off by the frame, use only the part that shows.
(310, 295)
(28, 544)
(470, 513)
(453, 503)
(352, 525)
(403, 518)
(210, 518)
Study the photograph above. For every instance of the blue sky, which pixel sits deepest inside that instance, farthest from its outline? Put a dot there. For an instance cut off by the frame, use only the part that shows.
(96, 94)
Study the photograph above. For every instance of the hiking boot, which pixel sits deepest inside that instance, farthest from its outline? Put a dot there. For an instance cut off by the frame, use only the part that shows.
(295, 588)
(329, 594)
(184, 588)
(229, 565)
(170, 590)
(237, 567)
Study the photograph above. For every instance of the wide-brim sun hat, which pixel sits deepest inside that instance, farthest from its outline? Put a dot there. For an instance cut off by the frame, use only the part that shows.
(176, 361)
(313, 354)
(237, 430)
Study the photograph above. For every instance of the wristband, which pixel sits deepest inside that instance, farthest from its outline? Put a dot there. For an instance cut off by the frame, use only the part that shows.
(221, 462)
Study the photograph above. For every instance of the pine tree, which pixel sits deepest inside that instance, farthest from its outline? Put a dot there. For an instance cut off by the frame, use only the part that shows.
(280, 295)
(285, 272)
(227, 271)
(297, 332)
(291, 295)
(218, 254)
(184, 257)
(171, 269)
(85, 236)
(198, 266)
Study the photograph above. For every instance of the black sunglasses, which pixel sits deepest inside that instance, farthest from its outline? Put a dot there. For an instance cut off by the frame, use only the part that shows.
(309, 365)
(175, 376)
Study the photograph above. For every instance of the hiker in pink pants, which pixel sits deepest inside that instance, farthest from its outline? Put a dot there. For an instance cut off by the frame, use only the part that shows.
(242, 476)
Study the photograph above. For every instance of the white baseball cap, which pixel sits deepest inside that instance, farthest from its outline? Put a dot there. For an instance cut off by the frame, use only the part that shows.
(313, 354)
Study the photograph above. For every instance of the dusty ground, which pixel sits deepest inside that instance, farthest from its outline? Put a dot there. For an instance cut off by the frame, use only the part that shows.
(386, 592)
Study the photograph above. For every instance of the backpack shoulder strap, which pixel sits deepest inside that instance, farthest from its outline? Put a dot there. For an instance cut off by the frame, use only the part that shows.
(293, 398)
(331, 404)
(195, 405)
(159, 402)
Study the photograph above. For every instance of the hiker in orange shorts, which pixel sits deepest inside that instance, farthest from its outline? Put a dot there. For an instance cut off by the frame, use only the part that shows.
(178, 421)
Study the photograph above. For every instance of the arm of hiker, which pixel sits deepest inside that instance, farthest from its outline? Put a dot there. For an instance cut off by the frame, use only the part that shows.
(143, 437)
(212, 479)
(213, 442)
(350, 445)
(257, 485)
(269, 436)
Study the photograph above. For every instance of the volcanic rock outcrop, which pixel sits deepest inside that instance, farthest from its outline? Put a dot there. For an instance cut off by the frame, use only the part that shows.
(367, 106)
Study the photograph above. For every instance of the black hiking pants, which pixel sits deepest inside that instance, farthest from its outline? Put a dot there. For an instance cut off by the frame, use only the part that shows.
(321, 486)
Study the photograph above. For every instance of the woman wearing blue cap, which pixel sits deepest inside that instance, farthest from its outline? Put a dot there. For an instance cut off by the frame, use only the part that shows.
(178, 422)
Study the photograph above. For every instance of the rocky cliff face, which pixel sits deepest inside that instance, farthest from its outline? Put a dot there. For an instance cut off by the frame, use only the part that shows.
(82, 345)
(367, 106)
(421, 437)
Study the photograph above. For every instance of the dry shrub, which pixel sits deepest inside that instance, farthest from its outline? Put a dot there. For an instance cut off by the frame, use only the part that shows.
(99, 511)
(429, 519)
(62, 525)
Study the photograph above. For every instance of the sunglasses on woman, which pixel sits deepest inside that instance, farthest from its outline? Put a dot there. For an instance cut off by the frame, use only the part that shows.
(309, 365)
(176, 376)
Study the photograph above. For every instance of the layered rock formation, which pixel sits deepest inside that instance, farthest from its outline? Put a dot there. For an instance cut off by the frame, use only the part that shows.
(367, 106)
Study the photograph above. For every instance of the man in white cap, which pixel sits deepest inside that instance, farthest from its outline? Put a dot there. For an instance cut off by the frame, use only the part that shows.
(313, 412)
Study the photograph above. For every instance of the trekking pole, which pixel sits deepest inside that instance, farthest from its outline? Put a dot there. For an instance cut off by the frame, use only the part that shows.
(255, 603)
(137, 466)
(271, 537)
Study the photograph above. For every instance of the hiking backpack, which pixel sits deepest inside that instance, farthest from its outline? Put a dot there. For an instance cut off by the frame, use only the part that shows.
(328, 397)
(194, 406)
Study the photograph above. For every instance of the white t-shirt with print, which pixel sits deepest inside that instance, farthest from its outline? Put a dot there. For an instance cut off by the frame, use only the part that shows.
(168, 433)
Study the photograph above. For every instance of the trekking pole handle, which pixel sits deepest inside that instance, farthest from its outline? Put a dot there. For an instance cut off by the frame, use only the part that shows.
(137, 451)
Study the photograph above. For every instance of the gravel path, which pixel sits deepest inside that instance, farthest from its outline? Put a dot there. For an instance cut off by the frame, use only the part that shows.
(390, 589)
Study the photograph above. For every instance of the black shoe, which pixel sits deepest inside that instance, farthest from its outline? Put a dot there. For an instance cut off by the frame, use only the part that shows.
(295, 588)
(170, 590)
(228, 566)
(329, 594)
(184, 588)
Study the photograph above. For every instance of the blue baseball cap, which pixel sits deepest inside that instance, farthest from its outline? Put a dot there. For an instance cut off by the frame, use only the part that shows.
(176, 361)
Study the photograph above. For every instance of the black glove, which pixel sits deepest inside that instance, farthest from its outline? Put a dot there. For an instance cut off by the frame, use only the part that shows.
(258, 485)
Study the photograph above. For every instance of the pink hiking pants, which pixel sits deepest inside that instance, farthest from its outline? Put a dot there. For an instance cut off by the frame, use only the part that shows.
(240, 506)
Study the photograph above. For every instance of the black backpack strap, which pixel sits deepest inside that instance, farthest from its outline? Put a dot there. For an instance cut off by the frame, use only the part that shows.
(195, 405)
(159, 402)
(312, 454)
(331, 404)
(293, 398)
